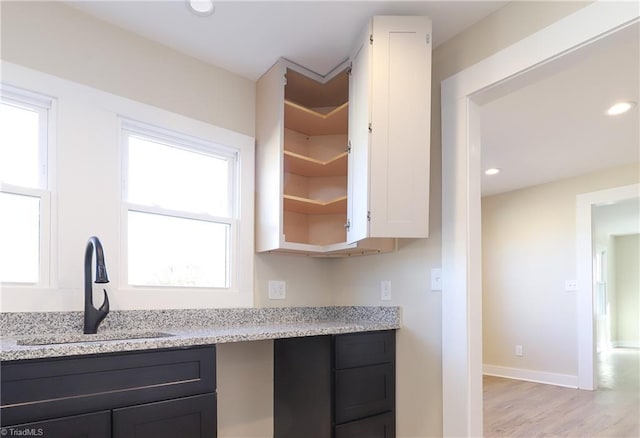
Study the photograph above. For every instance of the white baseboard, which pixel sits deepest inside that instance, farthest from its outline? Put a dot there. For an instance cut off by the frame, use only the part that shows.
(625, 344)
(556, 379)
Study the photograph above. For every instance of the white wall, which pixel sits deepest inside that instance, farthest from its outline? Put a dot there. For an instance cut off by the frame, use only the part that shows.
(627, 280)
(59, 40)
(528, 240)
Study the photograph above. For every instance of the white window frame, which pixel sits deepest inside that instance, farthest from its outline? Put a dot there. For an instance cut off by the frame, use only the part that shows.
(45, 106)
(194, 144)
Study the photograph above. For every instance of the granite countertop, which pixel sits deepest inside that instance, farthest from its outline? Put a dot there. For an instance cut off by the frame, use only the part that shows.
(179, 328)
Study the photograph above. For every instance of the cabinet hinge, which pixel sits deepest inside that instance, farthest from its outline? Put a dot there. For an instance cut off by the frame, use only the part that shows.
(347, 226)
(370, 127)
(350, 69)
(368, 216)
(371, 39)
(428, 39)
(349, 147)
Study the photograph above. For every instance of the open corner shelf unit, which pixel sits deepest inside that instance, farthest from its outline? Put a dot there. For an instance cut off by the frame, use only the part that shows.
(325, 185)
(315, 160)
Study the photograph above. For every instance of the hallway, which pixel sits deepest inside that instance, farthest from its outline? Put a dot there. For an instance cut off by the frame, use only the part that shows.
(514, 408)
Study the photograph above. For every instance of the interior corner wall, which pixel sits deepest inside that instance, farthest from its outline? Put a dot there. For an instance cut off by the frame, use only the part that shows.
(528, 250)
(627, 281)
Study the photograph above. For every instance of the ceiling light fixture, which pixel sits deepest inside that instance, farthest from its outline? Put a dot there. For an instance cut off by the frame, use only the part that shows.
(492, 171)
(202, 8)
(620, 108)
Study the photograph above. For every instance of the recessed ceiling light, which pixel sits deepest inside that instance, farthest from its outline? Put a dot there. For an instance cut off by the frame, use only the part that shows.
(620, 108)
(492, 171)
(201, 7)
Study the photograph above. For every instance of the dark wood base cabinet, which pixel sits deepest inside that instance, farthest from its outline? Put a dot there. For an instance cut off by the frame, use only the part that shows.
(340, 386)
(155, 393)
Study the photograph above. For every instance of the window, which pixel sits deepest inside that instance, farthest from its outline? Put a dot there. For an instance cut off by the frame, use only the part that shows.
(24, 188)
(180, 196)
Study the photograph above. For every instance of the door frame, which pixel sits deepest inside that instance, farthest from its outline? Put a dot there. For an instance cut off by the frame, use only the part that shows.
(461, 231)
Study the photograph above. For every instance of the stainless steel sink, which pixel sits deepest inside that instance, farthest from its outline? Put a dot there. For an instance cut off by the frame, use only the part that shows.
(71, 338)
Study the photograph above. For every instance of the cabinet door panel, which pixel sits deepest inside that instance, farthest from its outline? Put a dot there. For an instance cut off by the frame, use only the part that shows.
(95, 425)
(380, 426)
(302, 387)
(269, 141)
(191, 417)
(362, 392)
(401, 122)
(359, 118)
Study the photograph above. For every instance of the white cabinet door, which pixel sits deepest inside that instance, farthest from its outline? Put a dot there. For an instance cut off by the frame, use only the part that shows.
(269, 138)
(398, 147)
(359, 119)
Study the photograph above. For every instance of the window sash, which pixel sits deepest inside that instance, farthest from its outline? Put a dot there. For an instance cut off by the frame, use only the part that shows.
(186, 143)
(43, 106)
(172, 139)
(44, 234)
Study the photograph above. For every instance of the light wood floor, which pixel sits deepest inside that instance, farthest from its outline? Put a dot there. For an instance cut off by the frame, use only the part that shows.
(514, 408)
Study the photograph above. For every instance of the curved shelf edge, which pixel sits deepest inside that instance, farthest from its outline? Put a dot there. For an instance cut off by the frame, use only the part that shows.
(307, 166)
(297, 204)
(310, 122)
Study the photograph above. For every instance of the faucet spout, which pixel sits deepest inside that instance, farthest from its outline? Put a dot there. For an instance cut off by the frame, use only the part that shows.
(92, 316)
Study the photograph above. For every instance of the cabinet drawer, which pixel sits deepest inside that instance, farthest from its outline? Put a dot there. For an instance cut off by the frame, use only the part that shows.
(95, 425)
(363, 392)
(359, 349)
(48, 388)
(379, 426)
(193, 417)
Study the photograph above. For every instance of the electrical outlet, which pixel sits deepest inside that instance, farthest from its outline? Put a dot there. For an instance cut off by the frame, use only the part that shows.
(519, 351)
(385, 290)
(277, 290)
(570, 285)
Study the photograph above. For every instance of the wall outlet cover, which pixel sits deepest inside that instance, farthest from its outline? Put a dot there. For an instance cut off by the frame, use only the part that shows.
(519, 351)
(571, 285)
(277, 289)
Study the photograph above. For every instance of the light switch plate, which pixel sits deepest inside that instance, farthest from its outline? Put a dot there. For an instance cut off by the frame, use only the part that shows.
(277, 289)
(436, 279)
(385, 290)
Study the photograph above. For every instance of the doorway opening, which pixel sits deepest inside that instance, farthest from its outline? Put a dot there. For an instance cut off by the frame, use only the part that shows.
(462, 95)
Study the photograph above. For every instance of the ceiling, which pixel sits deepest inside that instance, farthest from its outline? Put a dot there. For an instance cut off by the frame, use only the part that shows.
(555, 126)
(248, 37)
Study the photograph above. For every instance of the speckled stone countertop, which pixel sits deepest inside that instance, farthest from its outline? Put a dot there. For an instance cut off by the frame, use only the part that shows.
(179, 328)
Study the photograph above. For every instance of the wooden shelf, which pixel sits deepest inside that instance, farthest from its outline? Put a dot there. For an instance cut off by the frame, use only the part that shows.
(312, 122)
(303, 165)
(310, 206)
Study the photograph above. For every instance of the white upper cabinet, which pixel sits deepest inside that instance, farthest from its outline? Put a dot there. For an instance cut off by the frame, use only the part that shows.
(342, 161)
(389, 129)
